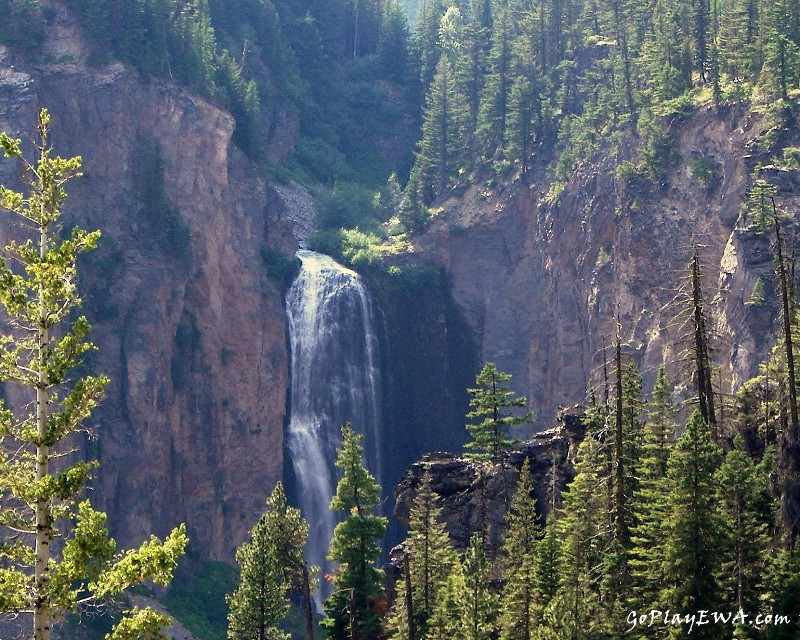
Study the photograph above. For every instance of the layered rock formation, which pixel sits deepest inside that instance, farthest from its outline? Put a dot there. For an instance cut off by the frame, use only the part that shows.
(188, 322)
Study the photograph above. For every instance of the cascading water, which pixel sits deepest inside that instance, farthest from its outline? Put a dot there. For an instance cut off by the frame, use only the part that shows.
(336, 378)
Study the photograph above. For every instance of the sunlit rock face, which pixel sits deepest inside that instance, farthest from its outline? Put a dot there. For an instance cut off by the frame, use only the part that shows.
(541, 273)
(188, 323)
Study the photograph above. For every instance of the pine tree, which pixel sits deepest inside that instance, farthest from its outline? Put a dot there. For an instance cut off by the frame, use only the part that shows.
(287, 531)
(259, 601)
(445, 623)
(355, 545)
(393, 42)
(431, 559)
(626, 459)
(650, 505)
(776, 50)
(412, 212)
(425, 39)
(585, 533)
(55, 550)
(529, 121)
(739, 493)
(705, 392)
(547, 567)
(663, 54)
(479, 605)
(471, 67)
(518, 618)
(442, 147)
(694, 536)
(494, 107)
(489, 400)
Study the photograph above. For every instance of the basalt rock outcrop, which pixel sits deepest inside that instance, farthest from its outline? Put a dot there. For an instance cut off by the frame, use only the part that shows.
(188, 323)
(475, 494)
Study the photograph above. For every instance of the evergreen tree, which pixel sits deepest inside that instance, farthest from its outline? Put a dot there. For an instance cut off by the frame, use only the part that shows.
(442, 147)
(425, 39)
(664, 56)
(412, 212)
(55, 551)
(585, 531)
(355, 545)
(287, 531)
(489, 400)
(650, 503)
(431, 559)
(494, 107)
(519, 602)
(694, 537)
(393, 42)
(471, 66)
(547, 565)
(259, 601)
(777, 51)
(739, 493)
(479, 605)
(446, 621)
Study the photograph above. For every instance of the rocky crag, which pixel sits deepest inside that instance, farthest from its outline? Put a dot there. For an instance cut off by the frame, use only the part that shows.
(475, 494)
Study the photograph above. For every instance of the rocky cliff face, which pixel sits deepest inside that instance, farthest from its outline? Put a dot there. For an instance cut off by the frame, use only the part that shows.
(539, 277)
(475, 495)
(188, 323)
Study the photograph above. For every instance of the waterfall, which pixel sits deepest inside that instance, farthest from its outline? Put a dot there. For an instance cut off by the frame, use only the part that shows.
(336, 378)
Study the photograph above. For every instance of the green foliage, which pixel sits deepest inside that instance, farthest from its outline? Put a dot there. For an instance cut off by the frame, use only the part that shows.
(431, 560)
(164, 222)
(584, 531)
(265, 563)
(741, 488)
(702, 170)
(479, 605)
(351, 246)
(442, 149)
(22, 24)
(355, 546)
(695, 535)
(489, 400)
(520, 598)
(39, 352)
(197, 600)
(757, 294)
(281, 269)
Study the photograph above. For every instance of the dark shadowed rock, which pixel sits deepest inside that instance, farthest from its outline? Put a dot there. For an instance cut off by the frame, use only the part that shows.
(475, 494)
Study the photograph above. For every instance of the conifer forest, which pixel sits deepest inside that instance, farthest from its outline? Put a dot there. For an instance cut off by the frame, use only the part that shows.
(399, 319)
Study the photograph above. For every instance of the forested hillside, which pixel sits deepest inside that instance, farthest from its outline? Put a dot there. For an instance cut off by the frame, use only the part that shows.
(599, 196)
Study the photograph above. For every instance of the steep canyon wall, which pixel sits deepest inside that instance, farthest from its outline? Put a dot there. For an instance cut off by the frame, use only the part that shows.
(189, 326)
(540, 274)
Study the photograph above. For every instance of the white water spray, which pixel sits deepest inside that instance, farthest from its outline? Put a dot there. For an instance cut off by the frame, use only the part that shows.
(336, 378)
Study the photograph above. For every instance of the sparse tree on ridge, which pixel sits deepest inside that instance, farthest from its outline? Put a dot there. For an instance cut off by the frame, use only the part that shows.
(489, 402)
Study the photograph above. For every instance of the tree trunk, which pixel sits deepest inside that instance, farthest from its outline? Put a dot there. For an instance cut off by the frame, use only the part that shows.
(412, 632)
(309, 617)
(705, 392)
(620, 529)
(41, 611)
(790, 452)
